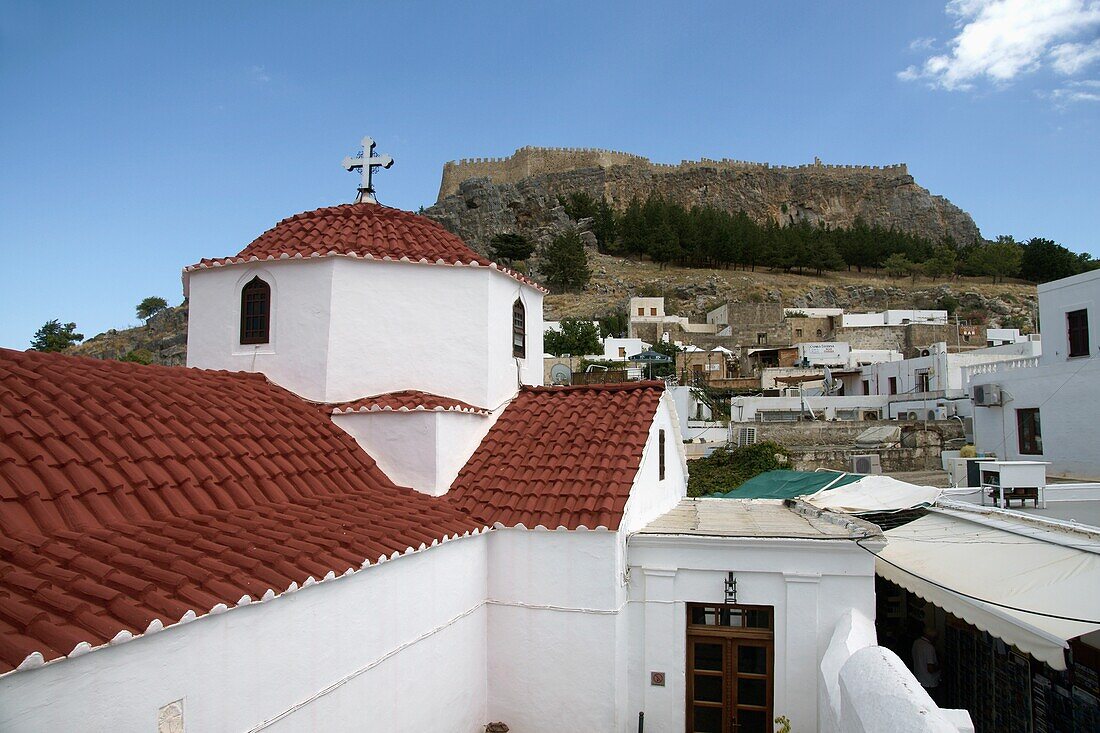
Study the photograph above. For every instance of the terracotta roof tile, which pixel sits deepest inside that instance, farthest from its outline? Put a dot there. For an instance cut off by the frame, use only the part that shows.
(361, 230)
(405, 401)
(560, 456)
(109, 523)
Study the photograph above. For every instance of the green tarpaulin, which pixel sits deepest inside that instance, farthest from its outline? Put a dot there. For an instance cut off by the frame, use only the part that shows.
(788, 484)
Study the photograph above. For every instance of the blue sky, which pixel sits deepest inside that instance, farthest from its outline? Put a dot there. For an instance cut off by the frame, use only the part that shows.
(138, 138)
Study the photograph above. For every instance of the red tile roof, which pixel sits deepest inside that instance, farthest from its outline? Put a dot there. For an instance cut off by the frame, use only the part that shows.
(132, 493)
(406, 401)
(560, 457)
(364, 230)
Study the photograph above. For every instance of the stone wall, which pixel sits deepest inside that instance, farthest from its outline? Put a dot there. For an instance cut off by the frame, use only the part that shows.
(816, 444)
(534, 161)
(911, 338)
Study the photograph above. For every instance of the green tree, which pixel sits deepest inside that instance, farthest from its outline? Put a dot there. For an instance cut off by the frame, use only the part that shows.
(942, 263)
(665, 246)
(1044, 260)
(576, 338)
(999, 259)
(510, 247)
(55, 336)
(615, 325)
(897, 265)
(151, 306)
(565, 263)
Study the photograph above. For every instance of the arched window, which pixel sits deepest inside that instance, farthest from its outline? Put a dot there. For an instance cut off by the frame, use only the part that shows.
(519, 330)
(256, 312)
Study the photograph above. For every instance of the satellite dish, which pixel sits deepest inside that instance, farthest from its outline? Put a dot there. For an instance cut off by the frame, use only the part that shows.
(561, 374)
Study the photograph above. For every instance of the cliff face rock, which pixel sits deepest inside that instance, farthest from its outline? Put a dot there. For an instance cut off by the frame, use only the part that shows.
(164, 337)
(481, 198)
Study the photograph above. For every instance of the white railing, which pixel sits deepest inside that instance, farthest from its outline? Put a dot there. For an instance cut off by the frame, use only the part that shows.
(999, 367)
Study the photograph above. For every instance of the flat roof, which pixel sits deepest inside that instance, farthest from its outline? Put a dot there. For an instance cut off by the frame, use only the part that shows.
(759, 518)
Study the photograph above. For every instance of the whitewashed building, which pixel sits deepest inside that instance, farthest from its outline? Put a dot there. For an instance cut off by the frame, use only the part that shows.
(1044, 407)
(358, 509)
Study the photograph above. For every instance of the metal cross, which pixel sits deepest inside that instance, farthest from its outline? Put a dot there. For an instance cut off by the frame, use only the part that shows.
(367, 161)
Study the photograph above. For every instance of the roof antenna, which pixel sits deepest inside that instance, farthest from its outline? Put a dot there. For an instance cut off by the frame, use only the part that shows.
(367, 161)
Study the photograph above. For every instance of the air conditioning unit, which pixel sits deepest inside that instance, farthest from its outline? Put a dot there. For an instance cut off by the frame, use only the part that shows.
(871, 463)
(987, 395)
(746, 436)
(870, 414)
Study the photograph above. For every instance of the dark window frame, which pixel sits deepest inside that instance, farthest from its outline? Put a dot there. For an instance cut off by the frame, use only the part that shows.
(661, 455)
(1029, 431)
(519, 330)
(1077, 332)
(255, 312)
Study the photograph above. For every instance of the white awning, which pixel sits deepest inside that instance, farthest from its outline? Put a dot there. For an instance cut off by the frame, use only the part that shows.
(1013, 563)
(875, 494)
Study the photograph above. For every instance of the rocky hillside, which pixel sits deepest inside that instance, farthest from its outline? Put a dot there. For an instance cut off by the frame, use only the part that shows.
(692, 292)
(162, 340)
(482, 199)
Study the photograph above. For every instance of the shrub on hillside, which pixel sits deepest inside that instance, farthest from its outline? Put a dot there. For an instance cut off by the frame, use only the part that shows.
(727, 468)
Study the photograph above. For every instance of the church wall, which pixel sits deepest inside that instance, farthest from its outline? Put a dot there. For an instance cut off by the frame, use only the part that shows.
(297, 355)
(408, 326)
(810, 584)
(346, 328)
(422, 449)
(651, 497)
(556, 597)
(504, 368)
(401, 644)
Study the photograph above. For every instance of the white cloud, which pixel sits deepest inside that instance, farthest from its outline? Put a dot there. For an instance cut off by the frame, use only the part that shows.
(1077, 91)
(1069, 58)
(1001, 39)
(922, 44)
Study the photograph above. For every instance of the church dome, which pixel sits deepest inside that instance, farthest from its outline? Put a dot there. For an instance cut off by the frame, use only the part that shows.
(361, 230)
(364, 230)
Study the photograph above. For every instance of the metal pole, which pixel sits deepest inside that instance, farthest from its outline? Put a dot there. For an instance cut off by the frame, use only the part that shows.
(641, 722)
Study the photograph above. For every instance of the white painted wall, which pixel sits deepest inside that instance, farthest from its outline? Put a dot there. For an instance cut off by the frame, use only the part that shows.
(552, 660)
(346, 328)
(251, 664)
(1066, 390)
(810, 583)
(946, 371)
(893, 318)
(1000, 336)
(297, 356)
(421, 449)
(630, 346)
(1060, 297)
(650, 496)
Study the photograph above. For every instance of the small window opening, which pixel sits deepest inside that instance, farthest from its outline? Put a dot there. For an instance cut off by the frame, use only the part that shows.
(660, 455)
(519, 330)
(256, 312)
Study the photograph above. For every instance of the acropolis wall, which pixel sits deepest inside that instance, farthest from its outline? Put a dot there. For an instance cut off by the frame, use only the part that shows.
(532, 161)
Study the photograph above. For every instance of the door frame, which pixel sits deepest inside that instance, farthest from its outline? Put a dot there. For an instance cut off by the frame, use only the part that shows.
(729, 636)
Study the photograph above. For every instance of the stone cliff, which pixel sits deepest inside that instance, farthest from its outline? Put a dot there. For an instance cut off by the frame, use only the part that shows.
(482, 197)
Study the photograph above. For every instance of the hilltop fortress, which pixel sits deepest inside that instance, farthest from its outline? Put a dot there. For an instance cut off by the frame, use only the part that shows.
(534, 161)
(482, 197)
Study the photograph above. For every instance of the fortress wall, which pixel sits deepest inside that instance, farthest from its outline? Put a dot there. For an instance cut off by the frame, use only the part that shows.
(532, 161)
